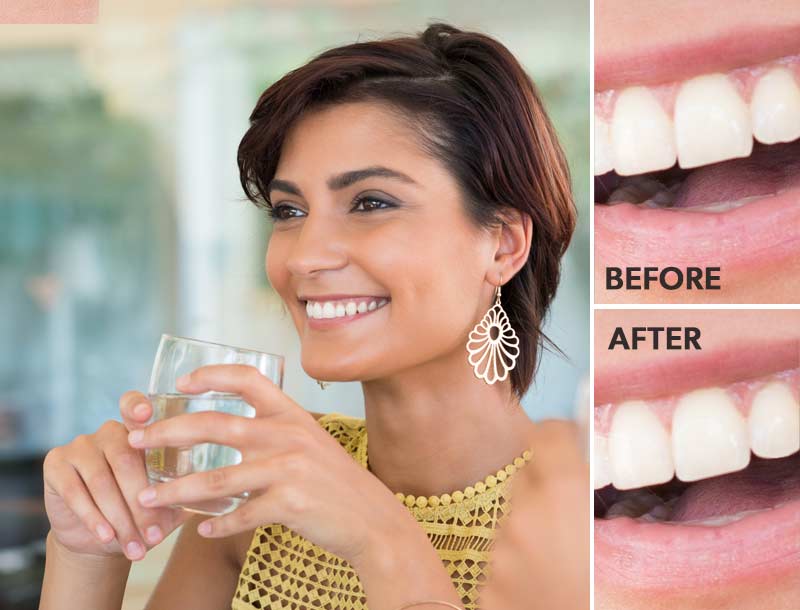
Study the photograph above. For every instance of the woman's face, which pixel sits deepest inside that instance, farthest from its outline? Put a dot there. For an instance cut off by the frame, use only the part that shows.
(364, 215)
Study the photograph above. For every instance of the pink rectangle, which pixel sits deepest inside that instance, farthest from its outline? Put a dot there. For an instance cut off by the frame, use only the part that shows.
(48, 11)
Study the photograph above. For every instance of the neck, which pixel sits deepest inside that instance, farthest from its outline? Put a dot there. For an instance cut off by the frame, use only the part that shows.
(437, 428)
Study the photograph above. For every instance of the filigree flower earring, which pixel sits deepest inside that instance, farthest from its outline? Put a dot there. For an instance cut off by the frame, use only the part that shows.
(493, 344)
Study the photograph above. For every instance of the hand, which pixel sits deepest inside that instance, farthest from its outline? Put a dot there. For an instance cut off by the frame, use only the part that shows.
(297, 474)
(92, 482)
(541, 555)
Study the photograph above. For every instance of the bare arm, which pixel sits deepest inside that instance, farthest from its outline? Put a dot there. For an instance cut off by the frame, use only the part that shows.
(74, 580)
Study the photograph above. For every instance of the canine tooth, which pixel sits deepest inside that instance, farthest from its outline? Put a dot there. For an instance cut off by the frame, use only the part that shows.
(362, 307)
(372, 305)
(712, 122)
(709, 435)
(317, 309)
(351, 308)
(642, 135)
(774, 421)
(328, 310)
(775, 107)
(638, 447)
(602, 471)
(309, 309)
(603, 156)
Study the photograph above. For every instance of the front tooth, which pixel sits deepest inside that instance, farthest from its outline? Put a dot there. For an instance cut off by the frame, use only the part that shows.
(638, 447)
(362, 307)
(709, 435)
(328, 310)
(317, 310)
(351, 308)
(712, 122)
(774, 422)
(340, 310)
(372, 305)
(775, 107)
(603, 156)
(602, 471)
(642, 135)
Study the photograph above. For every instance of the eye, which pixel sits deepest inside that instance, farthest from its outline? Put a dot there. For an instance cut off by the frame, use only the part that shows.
(371, 203)
(283, 212)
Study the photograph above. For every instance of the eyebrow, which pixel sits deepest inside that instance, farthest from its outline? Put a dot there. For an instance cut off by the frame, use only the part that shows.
(343, 180)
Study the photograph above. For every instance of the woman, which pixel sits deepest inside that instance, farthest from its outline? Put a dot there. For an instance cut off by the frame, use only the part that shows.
(408, 179)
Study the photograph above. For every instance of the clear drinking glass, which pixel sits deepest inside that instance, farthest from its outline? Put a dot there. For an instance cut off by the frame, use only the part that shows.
(177, 356)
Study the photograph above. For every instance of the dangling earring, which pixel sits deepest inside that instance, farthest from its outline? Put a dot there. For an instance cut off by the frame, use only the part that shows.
(493, 344)
(322, 384)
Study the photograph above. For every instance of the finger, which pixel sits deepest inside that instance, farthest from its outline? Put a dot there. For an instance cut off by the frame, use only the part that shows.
(99, 480)
(202, 427)
(129, 471)
(62, 477)
(209, 485)
(247, 381)
(135, 409)
(268, 507)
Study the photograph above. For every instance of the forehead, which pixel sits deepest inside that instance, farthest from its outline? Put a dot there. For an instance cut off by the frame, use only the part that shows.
(349, 136)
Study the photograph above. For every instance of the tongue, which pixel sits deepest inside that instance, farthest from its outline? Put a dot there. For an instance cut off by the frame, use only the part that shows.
(764, 484)
(769, 170)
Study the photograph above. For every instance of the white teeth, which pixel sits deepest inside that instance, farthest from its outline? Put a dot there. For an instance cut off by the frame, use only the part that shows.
(602, 471)
(642, 136)
(603, 156)
(709, 435)
(774, 422)
(638, 447)
(775, 107)
(330, 309)
(712, 122)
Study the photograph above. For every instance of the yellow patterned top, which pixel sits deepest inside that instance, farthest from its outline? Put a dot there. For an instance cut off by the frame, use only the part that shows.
(283, 570)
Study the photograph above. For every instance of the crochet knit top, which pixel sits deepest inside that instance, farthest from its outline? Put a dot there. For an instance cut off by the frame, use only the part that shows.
(283, 570)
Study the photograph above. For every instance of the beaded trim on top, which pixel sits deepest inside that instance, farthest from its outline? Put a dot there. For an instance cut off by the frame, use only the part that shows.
(479, 487)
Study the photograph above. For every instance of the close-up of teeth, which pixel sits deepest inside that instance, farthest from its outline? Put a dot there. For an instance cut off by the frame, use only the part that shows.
(340, 309)
(705, 119)
(654, 459)
(704, 433)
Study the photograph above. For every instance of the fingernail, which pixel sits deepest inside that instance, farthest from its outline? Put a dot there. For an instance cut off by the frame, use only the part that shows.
(135, 550)
(141, 410)
(146, 496)
(154, 533)
(135, 436)
(204, 528)
(182, 380)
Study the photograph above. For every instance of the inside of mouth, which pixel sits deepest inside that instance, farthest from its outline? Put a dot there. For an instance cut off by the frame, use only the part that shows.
(763, 485)
(719, 187)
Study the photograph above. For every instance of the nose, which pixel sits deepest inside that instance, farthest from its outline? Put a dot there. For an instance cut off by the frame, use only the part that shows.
(319, 246)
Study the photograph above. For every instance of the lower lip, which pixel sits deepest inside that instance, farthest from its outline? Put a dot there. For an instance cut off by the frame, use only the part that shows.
(325, 323)
(758, 233)
(660, 557)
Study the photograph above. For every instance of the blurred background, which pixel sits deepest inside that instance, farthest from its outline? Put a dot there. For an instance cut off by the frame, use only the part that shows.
(122, 217)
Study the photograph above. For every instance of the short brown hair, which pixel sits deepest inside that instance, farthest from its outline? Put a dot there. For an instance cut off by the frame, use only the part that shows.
(478, 112)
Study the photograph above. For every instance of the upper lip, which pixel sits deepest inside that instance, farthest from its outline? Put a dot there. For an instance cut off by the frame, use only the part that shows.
(691, 370)
(746, 44)
(337, 297)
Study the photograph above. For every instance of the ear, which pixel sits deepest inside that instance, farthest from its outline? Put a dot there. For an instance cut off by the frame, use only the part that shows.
(514, 245)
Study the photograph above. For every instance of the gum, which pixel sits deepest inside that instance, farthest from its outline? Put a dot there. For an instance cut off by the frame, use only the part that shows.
(741, 392)
(744, 79)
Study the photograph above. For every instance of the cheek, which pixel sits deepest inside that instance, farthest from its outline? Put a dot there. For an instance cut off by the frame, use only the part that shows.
(275, 264)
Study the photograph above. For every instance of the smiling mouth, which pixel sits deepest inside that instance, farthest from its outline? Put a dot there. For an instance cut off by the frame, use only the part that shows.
(322, 314)
(705, 170)
(707, 476)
